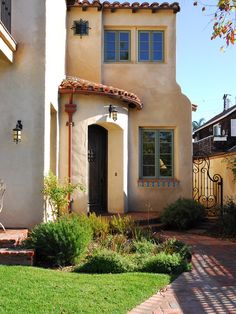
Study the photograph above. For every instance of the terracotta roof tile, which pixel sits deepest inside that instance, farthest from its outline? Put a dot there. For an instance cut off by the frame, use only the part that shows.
(80, 86)
(155, 6)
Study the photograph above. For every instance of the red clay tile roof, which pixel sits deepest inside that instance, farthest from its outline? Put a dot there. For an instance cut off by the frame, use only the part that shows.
(155, 6)
(78, 86)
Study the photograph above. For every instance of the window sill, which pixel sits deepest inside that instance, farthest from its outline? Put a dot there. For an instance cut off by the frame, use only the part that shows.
(158, 183)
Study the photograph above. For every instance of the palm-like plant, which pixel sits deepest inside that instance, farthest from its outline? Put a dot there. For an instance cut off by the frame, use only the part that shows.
(198, 124)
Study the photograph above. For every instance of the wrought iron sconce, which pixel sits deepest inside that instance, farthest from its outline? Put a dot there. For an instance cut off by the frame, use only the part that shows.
(17, 132)
(113, 112)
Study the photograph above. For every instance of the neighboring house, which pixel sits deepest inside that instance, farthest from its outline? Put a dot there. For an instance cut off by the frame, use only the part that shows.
(217, 139)
(121, 125)
(218, 134)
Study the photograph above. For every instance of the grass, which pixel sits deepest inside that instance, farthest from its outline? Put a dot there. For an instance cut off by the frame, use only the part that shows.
(36, 290)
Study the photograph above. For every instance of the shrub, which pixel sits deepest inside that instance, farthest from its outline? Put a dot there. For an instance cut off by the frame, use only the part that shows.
(99, 225)
(183, 214)
(171, 246)
(106, 261)
(229, 217)
(144, 246)
(140, 233)
(60, 243)
(165, 263)
(121, 225)
(117, 242)
(56, 193)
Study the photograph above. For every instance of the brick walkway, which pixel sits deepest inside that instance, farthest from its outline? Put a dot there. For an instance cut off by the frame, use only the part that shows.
(209, 288)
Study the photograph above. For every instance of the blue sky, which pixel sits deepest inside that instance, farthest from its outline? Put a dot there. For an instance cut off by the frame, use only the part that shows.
(204, 72)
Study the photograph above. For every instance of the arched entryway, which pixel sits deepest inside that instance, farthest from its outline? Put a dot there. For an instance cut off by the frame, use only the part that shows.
(97, 159)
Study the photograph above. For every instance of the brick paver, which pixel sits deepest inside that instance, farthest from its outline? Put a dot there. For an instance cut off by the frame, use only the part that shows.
(209, 288)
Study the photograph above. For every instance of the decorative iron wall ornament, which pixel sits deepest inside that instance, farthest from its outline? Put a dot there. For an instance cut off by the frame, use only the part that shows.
(207, 189)
(81, 28)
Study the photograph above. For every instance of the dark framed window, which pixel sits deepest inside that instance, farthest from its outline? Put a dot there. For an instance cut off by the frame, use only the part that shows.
(157, 148)
(151, 46)
(116, 46)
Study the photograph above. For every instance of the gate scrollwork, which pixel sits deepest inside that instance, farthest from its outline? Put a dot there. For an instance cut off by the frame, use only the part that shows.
(207, 188)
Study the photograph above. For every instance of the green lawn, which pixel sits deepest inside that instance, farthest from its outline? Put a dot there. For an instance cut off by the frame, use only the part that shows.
(35, 290)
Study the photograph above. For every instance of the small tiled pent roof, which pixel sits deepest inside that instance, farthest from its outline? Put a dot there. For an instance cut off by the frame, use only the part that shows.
(135, 6)
(79, 86)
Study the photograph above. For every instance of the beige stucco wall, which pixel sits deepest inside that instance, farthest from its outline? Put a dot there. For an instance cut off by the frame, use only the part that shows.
(94, 110)
(155, 83)
(220, 165)
(84, 54)
(27, 88)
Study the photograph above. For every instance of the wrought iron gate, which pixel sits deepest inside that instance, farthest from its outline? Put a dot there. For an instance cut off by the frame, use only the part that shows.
(207, 189)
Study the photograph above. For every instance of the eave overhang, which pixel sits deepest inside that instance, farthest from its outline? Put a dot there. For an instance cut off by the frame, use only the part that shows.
(7, 43)
(113, 6)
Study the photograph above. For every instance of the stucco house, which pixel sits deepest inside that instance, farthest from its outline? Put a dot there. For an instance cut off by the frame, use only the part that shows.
(94, 86)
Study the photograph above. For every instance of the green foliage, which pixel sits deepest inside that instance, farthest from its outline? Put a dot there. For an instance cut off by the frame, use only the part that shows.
(106, 261)
(56, 193)
(99, 225)
(144, 246)
(171, 246)
(60, 243)
(121, 225)
(117, 242)
(183, 214)
(228, 221)
(165, 263)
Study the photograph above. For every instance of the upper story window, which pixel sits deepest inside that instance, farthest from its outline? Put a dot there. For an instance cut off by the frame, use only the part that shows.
(116, 46)
(151, 46)
(157, 153)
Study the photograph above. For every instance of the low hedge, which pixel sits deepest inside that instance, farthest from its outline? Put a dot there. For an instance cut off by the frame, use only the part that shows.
(165, 263)
(106, 261)
(183, 214)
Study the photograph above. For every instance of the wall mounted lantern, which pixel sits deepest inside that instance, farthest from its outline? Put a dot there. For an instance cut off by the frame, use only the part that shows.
(17, 132)
(113, 112)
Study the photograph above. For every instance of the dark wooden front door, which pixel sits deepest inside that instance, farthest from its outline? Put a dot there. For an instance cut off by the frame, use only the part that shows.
(97, 158)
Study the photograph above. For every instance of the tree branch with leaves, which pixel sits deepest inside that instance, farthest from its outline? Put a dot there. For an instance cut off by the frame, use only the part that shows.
(224, 19)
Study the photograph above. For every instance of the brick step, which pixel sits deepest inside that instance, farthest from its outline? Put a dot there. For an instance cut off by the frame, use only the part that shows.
(16, 257)
(151, 221)
(12, 238)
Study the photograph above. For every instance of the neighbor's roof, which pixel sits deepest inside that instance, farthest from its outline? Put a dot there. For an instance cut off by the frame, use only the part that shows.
(217, 118)
(79, 86)
(135, 6)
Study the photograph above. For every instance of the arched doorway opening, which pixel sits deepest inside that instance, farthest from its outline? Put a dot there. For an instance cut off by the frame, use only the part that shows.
(97, 159)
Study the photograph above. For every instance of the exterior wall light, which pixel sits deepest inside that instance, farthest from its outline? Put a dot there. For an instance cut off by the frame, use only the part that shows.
(113, 112)
(17, 132)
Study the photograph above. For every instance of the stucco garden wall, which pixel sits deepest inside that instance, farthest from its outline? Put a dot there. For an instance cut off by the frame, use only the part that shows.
(220, 165)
